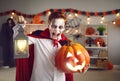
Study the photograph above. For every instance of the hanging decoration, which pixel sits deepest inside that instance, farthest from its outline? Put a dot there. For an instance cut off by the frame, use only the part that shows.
(118, 22)
(74, 22)
(36, 19)
(86, 13)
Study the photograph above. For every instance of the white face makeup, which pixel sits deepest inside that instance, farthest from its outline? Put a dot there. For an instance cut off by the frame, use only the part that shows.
(56, 28)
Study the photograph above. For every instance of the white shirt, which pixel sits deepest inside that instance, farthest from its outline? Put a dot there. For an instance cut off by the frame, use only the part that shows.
(44, 66)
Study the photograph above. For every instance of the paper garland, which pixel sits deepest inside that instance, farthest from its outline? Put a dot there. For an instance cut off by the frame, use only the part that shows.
(85, 13)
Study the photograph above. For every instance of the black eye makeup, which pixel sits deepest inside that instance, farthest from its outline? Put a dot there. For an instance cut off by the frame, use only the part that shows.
(60, 27)
(54, 26)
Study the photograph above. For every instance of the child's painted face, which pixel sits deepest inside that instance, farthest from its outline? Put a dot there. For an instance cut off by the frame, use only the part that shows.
(56, 28)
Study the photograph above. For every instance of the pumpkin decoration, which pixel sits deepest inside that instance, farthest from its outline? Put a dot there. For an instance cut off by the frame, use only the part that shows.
(110, 65)
(36, 19)
(90, 31)
(42, 22)
(72, 58)
(118, 22)
(100, 41)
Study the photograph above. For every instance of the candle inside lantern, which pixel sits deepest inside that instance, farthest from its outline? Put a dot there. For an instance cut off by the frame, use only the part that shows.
(21, 46)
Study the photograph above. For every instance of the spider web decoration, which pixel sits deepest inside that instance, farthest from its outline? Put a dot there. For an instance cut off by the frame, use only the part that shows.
(73, 27)
(75, 22)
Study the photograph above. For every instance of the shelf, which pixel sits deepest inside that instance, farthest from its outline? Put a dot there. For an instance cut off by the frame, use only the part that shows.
(95, 67)
(29, 28)
(95, 35)
(94, 47)
(97, 46)
(95, 57)
(35, 24)
(32, 24)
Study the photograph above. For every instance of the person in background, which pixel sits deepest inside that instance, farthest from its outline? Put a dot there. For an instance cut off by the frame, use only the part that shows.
(40, 66)
(6, 40)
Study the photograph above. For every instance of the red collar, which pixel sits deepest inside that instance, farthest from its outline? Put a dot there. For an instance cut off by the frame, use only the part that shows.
(46, 34)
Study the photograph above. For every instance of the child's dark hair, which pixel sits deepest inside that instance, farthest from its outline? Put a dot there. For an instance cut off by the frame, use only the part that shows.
(56, 15)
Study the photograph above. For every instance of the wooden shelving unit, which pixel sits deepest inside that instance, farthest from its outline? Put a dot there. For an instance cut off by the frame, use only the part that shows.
(98, 52)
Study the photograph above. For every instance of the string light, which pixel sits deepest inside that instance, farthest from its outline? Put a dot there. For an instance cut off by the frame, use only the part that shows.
(67, 31)
(113, 22)
(11, 17)
(102, 18)
(118, 14)
(101, 22)
(69, 15)
(76, 15)
(13, 13)
(76, 31)
(88, 22)
(88, 18)
(48, 13)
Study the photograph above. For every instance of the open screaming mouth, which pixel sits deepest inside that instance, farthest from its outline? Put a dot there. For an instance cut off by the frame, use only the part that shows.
(54, 34)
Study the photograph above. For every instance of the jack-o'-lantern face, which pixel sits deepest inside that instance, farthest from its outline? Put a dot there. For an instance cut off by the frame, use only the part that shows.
(72, 58)
(75, 63)
(56, 27)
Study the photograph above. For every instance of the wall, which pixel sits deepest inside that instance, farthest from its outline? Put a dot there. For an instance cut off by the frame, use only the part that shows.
(36, 6)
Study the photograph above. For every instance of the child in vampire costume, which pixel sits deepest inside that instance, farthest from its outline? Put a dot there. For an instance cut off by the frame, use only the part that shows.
(40, 65)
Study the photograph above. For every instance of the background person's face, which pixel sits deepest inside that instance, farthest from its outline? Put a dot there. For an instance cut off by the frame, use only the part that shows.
(56, 28)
